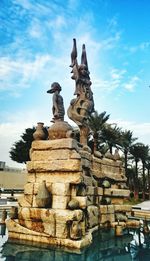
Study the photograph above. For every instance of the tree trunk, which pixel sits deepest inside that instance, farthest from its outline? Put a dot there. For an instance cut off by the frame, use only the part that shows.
(126, 165)
(136, 183)
(144, 180)
(149, 182)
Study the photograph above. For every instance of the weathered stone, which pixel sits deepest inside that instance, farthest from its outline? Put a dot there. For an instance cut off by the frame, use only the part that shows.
(18, 232)
(63, 177)
(123, 208)
(55, 144)
(60, 202)
(45, 215)
(93, 216)
(117, 201)
(54, 165)
(68, 215)
(62, 154)
(106, 209)
(110, 218)
(32, 225)
(61, 189)
(75, 230)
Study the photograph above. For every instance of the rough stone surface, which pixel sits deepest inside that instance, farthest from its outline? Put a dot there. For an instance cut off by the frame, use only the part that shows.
(62, 154)
(93, 216)
(55, 144)
(60, 202)
(71, 174)
(63, 177)
(59, 189)
(54, 165)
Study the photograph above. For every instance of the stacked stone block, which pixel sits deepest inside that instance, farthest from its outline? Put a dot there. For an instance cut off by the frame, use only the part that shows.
(74, 179)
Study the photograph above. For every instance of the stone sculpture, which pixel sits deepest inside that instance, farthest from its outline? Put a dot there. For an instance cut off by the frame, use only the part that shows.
(83, 105)
(60, 128)
(58, 104)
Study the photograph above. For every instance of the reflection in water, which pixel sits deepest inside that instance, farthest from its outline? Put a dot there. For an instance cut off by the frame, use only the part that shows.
(139, 247)
(132, 246)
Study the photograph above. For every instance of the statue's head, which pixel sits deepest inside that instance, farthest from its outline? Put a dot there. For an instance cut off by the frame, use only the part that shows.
(55, 86)
(83, 70)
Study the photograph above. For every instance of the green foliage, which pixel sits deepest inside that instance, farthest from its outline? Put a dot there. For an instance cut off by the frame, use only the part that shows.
(19, 152)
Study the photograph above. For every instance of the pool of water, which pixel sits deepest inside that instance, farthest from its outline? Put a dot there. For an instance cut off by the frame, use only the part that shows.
(134, 245)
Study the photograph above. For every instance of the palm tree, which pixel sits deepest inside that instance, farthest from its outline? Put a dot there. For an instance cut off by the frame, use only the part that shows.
(96, 123)
(126, 142)
(135, 150)
(144, 156)
(111, 136)
(147, 165)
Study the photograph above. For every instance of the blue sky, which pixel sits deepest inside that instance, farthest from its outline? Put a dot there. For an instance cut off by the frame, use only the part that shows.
(36, 42)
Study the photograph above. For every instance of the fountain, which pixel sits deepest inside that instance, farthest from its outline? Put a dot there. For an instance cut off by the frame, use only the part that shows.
(70, 192)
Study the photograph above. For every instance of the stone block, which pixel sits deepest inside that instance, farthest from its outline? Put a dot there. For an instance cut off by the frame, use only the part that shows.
(106, 209)
(107, 218)
(54, 165)
(68, 215)
(120, 192)
(100, 191)
(63, 177)
(61, 189)
(55, 144)
(123, 208)
(92, 216)
(117, 201)
(59, 154)
(60, 202)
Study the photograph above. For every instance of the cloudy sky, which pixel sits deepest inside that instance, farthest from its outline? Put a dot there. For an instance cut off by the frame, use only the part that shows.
(35, 46)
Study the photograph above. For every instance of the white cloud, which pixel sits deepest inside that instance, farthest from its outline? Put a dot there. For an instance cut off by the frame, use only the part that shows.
(141, 47)
(132, 83)
(140, 130)
(16, 74)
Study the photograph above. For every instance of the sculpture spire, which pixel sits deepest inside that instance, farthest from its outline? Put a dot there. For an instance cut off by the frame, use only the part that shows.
(83, 105)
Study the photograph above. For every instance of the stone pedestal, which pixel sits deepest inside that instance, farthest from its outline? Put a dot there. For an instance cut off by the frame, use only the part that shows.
(73, 178)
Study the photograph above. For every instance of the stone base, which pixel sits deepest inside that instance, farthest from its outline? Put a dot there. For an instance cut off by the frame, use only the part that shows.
(18, 232)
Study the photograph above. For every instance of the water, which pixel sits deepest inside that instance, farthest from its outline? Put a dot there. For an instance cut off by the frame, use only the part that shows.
(105, 247)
